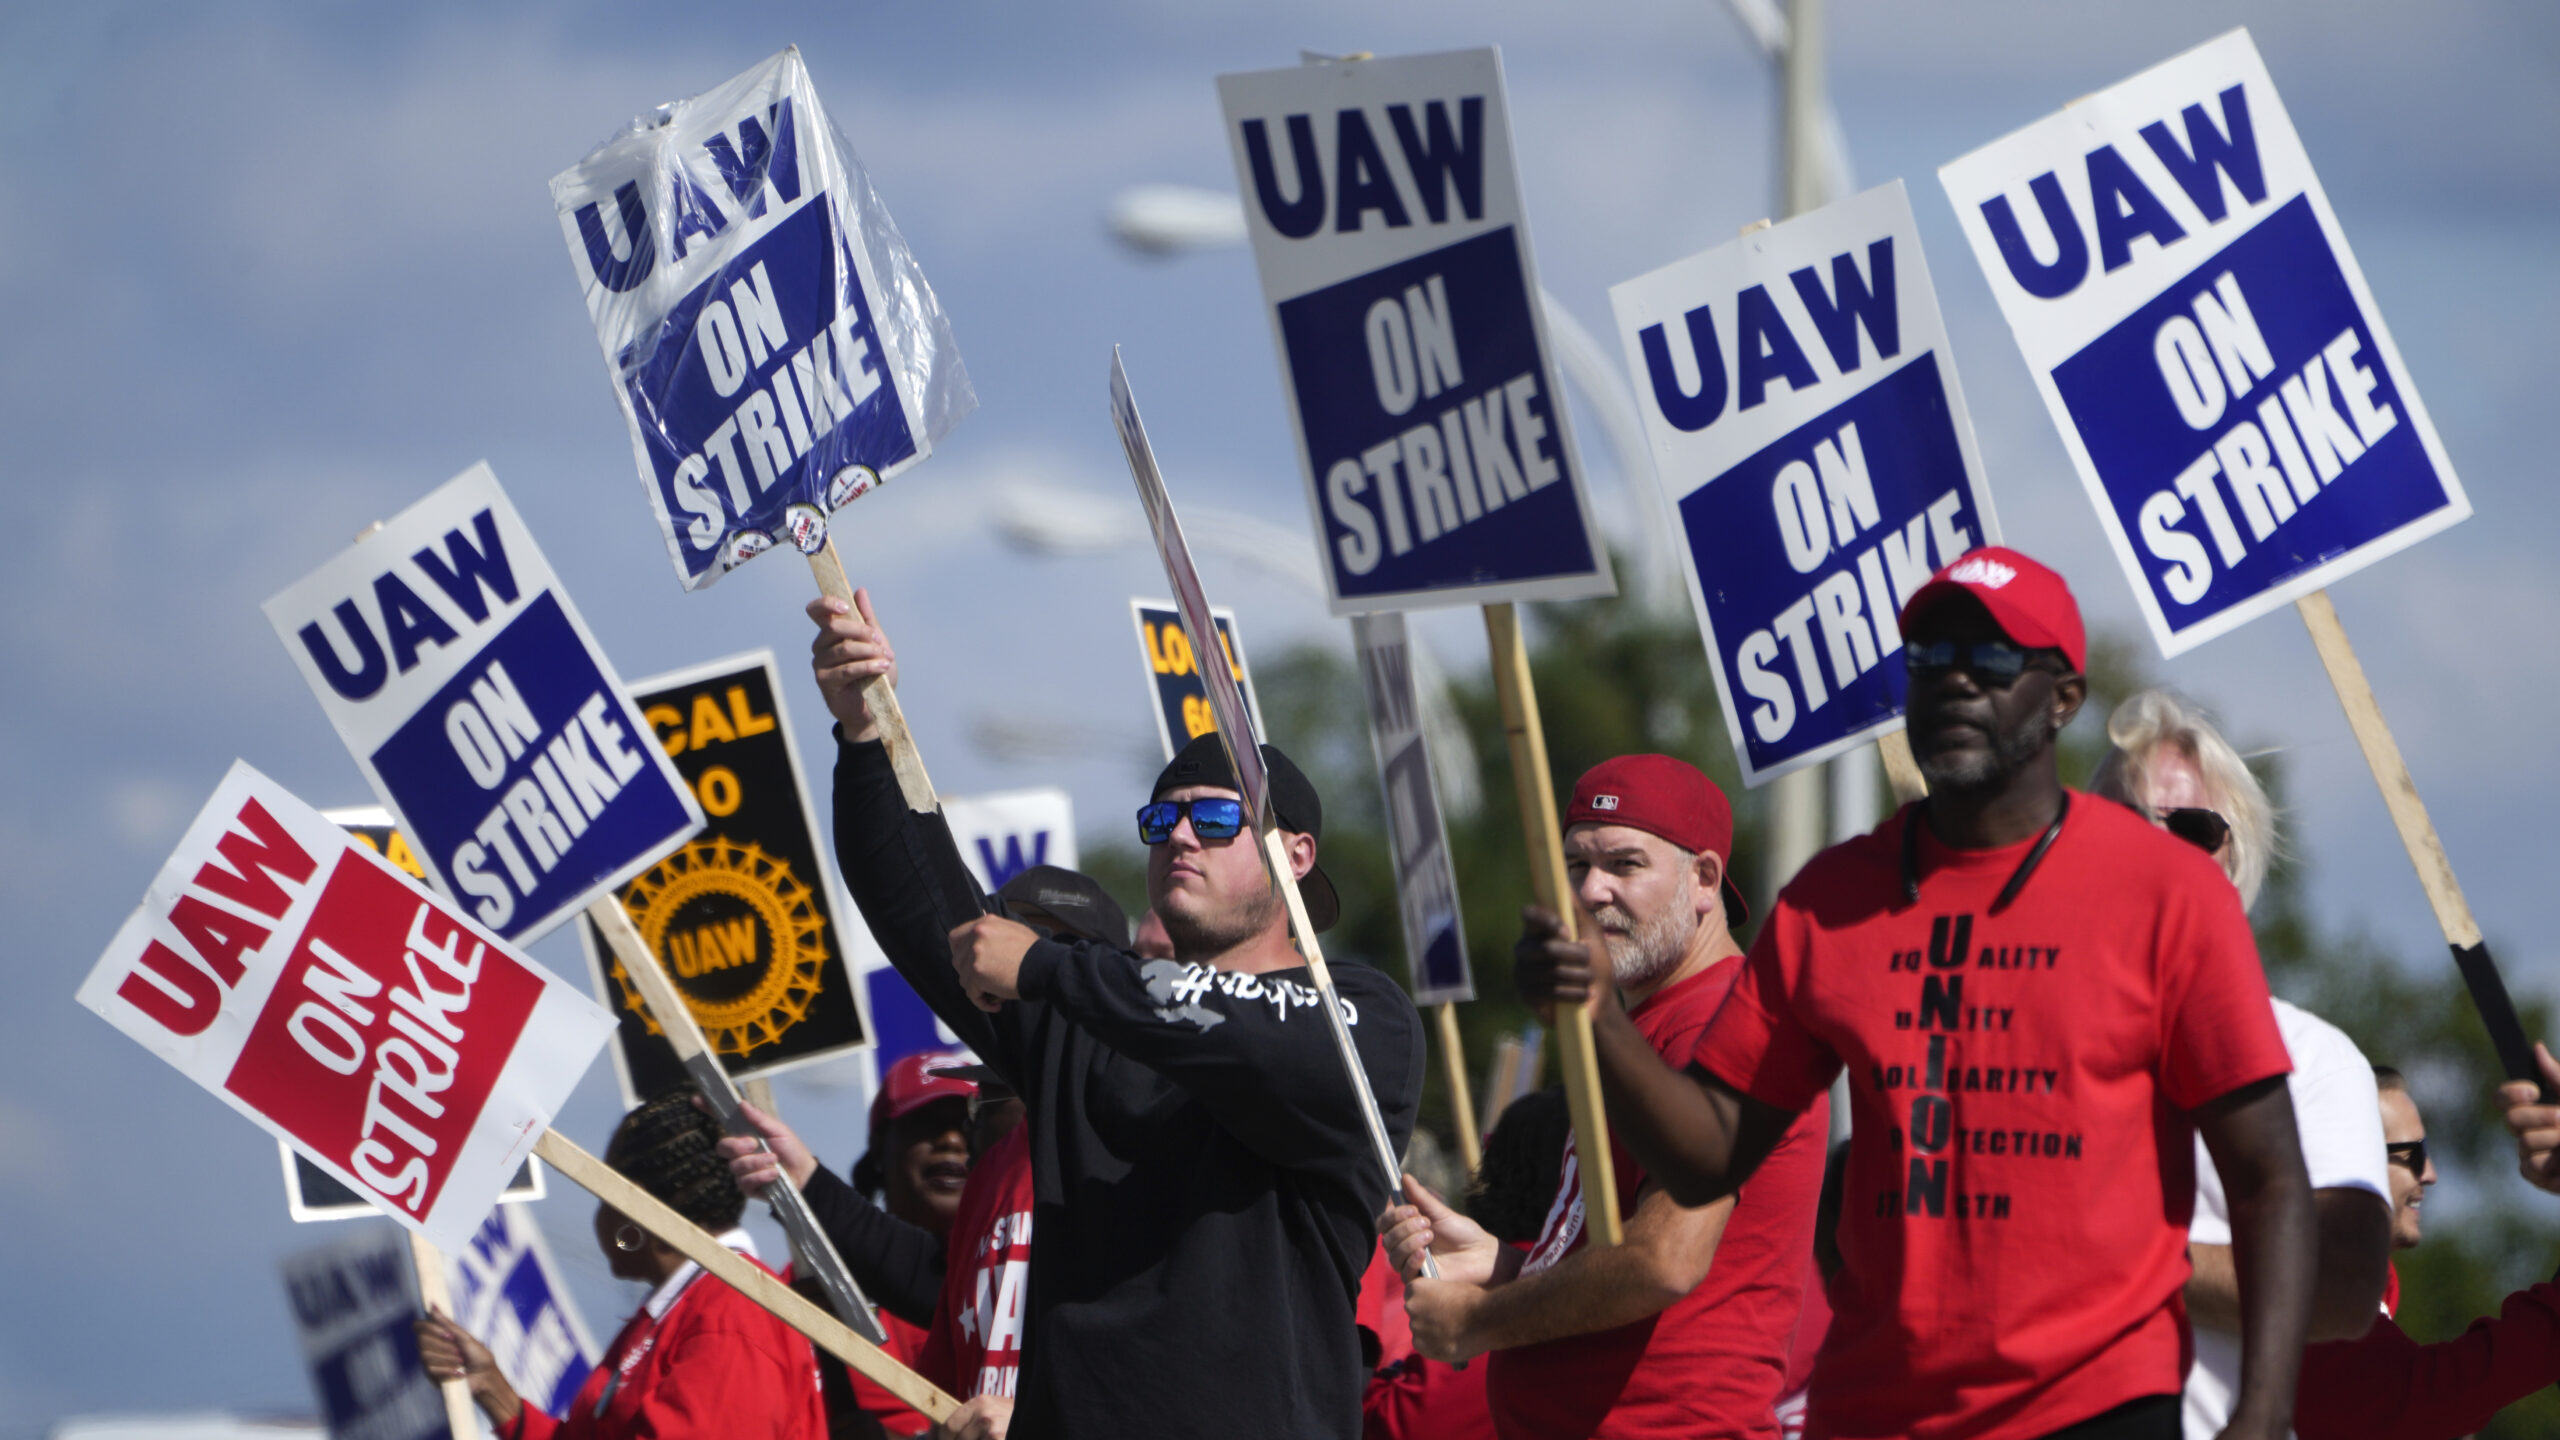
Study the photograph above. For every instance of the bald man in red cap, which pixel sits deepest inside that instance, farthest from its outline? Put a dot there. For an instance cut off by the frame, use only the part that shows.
(1684, 1329)
(2038, 1004)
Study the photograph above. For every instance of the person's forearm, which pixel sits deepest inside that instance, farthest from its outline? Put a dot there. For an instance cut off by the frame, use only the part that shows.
(1684, 1140)
(2213, 1289)
(900, 1265)
(1593, 1289)
(2275, 1250)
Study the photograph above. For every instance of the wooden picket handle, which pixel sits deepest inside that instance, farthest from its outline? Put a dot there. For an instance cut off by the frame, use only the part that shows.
(2418, 836)
(1901, 771)
(878, 695)
(461, 1417)
(742, 1275)
(1462, 1106)
(1536, 787)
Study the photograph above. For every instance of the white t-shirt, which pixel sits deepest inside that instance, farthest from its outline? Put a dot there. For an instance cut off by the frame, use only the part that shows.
(2338, 1113)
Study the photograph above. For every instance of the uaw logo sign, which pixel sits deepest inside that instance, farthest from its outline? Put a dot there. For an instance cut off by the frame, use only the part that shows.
(740, 917)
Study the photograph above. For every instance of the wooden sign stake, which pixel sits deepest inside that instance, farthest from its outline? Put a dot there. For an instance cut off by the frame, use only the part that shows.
(1901, 771)
(1519, 698)
(1462, 1106)
(2418, 836)
(684, 1036)
(878, 695)
(741, 1274)
(461, 1417)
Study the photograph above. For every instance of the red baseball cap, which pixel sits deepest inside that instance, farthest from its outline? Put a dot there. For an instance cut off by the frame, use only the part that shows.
(915, 1081)
(2027, 600)
(1661, 796)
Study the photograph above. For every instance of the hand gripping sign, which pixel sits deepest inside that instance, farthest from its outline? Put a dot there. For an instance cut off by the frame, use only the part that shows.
(468, 689)
(773, 343)
(2205, 342)
(744, 915)
(392, 1039)
(510, 1294)
(1817, 462)
(1174, 672)
(1243, 744)
(1385, 212)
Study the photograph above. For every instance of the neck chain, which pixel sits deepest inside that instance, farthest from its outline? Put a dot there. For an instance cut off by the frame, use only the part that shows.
(1911, 821)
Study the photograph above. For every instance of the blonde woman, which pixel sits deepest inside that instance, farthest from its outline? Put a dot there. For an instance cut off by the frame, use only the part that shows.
(2172, 766)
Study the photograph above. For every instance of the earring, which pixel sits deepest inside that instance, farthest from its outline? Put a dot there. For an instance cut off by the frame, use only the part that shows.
(629, 1239)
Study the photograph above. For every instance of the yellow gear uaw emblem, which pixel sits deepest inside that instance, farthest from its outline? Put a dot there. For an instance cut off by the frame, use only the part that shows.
(738, 934)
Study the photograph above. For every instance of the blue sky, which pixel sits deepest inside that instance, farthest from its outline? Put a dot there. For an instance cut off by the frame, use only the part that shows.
(274, 271)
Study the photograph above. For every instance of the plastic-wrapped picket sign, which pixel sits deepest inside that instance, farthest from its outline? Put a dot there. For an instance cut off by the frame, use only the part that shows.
(774, 345)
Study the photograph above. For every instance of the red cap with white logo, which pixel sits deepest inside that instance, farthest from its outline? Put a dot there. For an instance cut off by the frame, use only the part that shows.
(2028, 601)
(1661, 796)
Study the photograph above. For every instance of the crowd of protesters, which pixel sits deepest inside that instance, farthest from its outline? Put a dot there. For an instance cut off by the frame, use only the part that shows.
(2097, 1184)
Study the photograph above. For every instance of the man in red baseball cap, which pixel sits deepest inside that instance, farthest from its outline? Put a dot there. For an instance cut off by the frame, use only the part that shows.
(1683, 1330)
(2037, 1004)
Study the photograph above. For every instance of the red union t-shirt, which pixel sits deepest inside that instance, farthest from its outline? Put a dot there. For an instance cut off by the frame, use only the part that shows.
(974, 1347)
(1713, 1362)
(2013, 1231)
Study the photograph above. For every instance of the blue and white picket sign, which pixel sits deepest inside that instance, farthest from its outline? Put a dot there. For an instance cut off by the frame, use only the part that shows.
(354, 1301)
(1816, 459)
(774, 345)
(1175, 681)
(999, 836)
(1435, 942)
(1384, 207)
(2205, 341)
(510, 1295)
(474, 699)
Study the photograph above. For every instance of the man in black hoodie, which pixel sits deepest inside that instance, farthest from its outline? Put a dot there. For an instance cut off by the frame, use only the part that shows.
(1204, 1180)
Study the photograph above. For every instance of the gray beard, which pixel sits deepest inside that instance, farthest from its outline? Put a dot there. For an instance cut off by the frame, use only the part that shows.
(2009, 754)
(1650, 950)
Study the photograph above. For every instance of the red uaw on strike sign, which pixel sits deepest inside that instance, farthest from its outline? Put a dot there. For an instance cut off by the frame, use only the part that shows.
(403, 1048)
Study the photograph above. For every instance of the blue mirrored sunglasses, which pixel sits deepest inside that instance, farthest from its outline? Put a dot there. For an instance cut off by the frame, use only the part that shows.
(1212, 818)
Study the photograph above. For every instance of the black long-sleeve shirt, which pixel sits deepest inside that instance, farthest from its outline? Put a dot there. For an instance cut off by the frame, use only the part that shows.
(897, 1263)
(1204, 1183)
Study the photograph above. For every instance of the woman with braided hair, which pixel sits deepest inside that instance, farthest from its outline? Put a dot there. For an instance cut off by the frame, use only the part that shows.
(698, 1358)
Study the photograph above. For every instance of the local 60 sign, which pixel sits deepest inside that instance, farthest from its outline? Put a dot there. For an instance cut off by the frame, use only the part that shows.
(1809, 433)
(1386, 221)
(2205, 342)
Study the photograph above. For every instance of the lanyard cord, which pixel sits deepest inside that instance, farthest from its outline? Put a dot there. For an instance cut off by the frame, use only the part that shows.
(2017, 878)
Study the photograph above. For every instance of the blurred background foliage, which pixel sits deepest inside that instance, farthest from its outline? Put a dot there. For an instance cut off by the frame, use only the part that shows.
(1618, 676)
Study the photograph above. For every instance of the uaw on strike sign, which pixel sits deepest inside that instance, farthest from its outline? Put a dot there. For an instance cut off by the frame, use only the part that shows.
(1814, 447)
(457, 672)
(1386, 221)
(773, 344)
(2206, 343)
(396, 1042)
(743, 917)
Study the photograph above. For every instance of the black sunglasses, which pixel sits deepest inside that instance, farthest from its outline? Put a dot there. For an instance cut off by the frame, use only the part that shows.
(2204, 829)
(1212, 818)
(2409, 1153)
(1994, 662)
